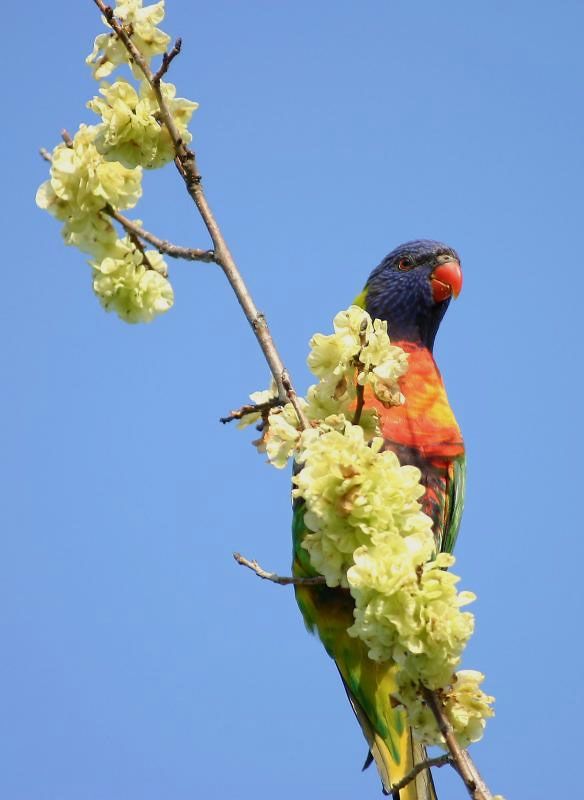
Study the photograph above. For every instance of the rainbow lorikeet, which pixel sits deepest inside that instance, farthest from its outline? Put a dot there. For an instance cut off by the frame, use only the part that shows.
(411, 289)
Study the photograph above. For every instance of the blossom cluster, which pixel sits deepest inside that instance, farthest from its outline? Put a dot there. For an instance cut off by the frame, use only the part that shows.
(140, 24)
(466, 706)
(355, 496)
(407, 608)
(132, 283)
(358, 354)
(81, 185)
(100, 170)
(358, 341)
(365, 528)
(130, 131)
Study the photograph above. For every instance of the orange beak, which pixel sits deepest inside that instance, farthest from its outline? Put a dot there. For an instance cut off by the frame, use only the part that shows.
(446, 280)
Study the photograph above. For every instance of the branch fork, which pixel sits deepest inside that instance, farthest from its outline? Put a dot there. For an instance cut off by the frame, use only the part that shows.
(167, 59)
(318, 580)
(439, 761)
(187, 166)
(251, 408)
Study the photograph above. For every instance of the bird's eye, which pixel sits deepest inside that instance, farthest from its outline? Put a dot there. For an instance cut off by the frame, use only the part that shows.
(406, 263)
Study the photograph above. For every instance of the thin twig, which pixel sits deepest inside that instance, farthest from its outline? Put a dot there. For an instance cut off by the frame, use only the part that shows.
(125, 38)
(360, 404)
(187, 166)
(137, 232)
(271, 576)
(360, 388)
(463, 763)
(439, 761)
(293, 397)
(108, 13)
(172, 250)
(251, 408)
(139, 246)
(167, 59)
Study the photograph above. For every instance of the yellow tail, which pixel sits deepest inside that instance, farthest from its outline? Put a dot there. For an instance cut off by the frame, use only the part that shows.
(393, 764)
(370, 686)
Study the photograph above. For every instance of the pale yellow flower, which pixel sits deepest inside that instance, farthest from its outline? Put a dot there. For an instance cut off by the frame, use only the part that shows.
(82, 182)
(258, 398)
(407, 608)
(131, 131)
(108, 52)
(125, 285)
(359, 349)
(466, 706)
(282, 435)
(354, 493)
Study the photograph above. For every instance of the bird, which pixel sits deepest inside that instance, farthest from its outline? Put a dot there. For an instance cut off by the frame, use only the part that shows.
(411, 290)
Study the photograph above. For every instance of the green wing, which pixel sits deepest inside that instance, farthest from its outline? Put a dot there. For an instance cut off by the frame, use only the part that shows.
(455, 488)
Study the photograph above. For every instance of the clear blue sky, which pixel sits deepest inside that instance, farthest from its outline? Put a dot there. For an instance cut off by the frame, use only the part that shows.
(139, 662)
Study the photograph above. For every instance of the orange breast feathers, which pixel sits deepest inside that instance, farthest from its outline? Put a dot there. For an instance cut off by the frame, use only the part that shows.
(425, 421)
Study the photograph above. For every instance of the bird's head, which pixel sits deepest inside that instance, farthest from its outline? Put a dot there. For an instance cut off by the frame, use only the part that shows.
(411, 289)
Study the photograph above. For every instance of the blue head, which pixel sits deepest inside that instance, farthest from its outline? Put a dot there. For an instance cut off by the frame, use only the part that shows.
(411, 289)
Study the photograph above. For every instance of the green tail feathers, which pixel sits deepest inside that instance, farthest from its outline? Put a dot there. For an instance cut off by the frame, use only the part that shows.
(369, 684)
(369, 687)
(395, 754)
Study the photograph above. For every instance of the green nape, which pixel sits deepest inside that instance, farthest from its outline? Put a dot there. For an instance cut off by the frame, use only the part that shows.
(361, 299)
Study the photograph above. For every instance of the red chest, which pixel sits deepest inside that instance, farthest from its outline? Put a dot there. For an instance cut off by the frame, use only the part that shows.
(425, 422)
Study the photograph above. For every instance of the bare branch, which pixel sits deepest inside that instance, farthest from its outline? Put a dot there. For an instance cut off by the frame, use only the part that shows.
(139, 246)
(293, 397)
(439, 761)
(172, 250)
(476, 787)
(181, 150)
(360, 404)
(271, 576)
(167, 59)
(118, 29)
(187, 166)
(251, 408)
(360, 388)
(136, 232)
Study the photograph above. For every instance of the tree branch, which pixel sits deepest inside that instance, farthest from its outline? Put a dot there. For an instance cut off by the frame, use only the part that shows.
(167, 59)
(271, 576)
(360, 389)
(251, 408)
(476, 787)
(439, 761)
(360, 404)
(139, 246)
(172, 250)
(134, 230)
(187, 166)
(293, 397)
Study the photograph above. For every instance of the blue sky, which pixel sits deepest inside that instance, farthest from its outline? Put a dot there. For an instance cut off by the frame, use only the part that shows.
(138, 660)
